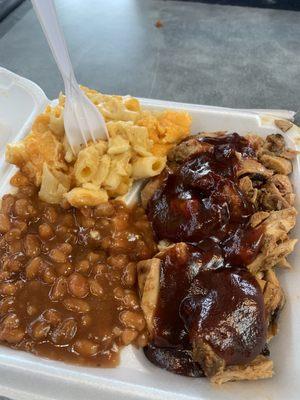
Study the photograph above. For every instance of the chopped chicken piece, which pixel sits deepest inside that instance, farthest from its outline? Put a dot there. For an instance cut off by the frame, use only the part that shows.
(187, 148)
(149, 190)
(246, 186)
(278, 164)
(282, 183)
(210, 362)
(260, 368)
(148, 281)
(271, 198)
(249, 166)
(276, 244)
(255, 140)
(274, 301)
(279, 223)
(283, 263)
(266, 261)
(258, 217)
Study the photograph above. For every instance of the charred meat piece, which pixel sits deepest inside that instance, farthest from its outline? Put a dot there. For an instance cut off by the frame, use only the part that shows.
(224, 309)
(201, 198)
(199, 302)
(178, 361)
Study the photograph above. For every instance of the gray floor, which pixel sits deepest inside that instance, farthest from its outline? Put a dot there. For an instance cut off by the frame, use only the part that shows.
(207, 54)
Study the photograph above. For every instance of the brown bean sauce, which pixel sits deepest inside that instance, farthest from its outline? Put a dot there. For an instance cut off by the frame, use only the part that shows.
(206, 292)
(68, 278)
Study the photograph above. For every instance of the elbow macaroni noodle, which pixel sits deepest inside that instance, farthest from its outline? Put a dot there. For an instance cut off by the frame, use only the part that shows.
(137, 147)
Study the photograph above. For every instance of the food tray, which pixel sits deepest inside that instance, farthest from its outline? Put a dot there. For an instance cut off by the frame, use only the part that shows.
(24, 376)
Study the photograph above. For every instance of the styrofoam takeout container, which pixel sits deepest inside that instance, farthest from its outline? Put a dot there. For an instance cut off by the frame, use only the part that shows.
(25, 376)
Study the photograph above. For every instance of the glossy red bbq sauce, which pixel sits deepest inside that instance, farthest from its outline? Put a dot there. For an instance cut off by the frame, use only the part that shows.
(201, 199)
(204, 289)
(202, 298)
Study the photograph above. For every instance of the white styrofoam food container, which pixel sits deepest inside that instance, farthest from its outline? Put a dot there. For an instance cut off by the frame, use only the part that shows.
(25, 376)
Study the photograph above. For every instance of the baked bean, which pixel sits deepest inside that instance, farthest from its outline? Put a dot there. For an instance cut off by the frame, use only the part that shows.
(95, 235)
(4, 223)
(6, 305)
(76, 305)
(128, 336)
(66, 248)
(133, 319)
(106, 242)
(21, 225)
(32, 245)
(31, 310)
(141, 225)
(5, 275)
(67, 220)
(94, 257)
(117, 331)
(119, 244)
(95, 288)
(15, 247)
(8, 289)
(49, 275)
(53, 317)
(99, 269)
(139, 213)
(85, 212)
(86, 320)
(13, 235)
(130, 300)
(75, 268)
(10, 331)
(83, 266)
(119, 293)
(40, 330)
(104, 210)
(19, 180)
(118, 261)
(12, 265)
(86, 348)
(121, 222)
(27, 191)
(59, 289)
(142, 340)
(45, 231)
(64, 269)
(58, 256)
(24, 208)
(3, 243)
(65, 332)
(142, 251)
(78, 285)
(103, 224)
(129, 274)
(61, 231)
(7, 203)
(50, 215)
(88, 222)
(34, 268)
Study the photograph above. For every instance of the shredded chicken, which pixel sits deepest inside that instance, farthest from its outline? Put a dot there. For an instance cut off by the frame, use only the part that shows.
(249, 166)
(266, 183)
(260, 368)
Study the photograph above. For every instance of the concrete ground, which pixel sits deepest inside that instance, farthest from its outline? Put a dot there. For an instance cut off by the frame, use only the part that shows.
(203, 53)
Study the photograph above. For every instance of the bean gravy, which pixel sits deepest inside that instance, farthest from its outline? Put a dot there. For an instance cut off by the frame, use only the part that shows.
(68, 278)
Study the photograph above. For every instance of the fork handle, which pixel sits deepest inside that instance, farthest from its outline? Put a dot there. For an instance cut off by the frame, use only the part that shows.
(46, 13)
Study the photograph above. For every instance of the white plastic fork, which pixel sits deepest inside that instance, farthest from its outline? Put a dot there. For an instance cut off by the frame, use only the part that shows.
(82, 121)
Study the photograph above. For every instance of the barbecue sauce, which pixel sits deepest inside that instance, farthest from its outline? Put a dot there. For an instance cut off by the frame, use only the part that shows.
(206, 293)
